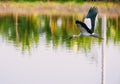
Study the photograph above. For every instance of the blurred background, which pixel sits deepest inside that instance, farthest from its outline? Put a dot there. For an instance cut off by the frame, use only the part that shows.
(35, 50)
(63, 0)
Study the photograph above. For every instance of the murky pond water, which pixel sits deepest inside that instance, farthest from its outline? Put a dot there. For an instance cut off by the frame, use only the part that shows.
(34, 50)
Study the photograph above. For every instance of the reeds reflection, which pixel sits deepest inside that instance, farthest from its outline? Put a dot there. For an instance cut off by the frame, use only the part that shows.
(25, 31)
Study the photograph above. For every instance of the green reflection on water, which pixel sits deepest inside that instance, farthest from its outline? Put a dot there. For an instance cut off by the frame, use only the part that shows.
(113, 29)
(25, 31)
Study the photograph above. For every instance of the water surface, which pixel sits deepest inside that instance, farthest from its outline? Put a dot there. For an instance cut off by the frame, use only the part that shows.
(34, 49)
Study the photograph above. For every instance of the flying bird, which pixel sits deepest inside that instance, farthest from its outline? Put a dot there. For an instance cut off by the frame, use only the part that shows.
(87, 27)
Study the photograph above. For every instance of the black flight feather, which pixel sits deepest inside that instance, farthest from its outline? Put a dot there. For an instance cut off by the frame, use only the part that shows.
(92, 13)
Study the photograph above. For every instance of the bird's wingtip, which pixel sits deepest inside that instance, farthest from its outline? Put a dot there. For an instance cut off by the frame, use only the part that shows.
(94, 8)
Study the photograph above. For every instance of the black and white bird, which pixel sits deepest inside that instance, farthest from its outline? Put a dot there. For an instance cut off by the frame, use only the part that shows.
(87, 27)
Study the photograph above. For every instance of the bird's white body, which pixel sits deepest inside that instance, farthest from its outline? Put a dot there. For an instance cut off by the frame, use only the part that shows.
(83, 31)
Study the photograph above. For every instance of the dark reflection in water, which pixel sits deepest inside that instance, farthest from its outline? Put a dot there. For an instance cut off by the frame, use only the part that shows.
(25, 31)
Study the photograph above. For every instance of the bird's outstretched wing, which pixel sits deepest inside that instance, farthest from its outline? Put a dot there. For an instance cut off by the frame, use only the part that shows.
(83, 27)
(90, 18)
